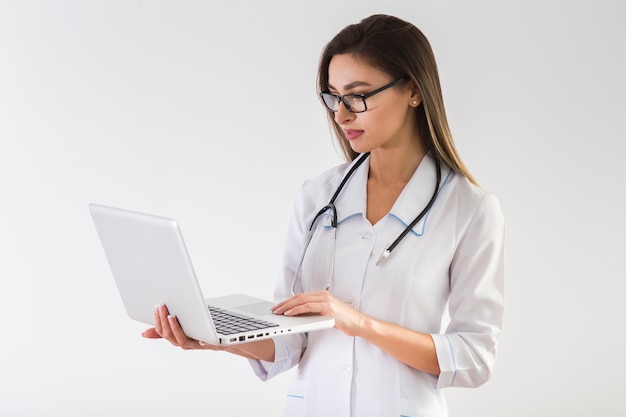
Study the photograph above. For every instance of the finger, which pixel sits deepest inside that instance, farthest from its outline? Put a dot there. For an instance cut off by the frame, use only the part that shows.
(279, 306)
(286, 306)
(205, 345)
(299, 299)
(181, 338)
(313, 303)
(166, 328)
(157, 320)
(151, 333)
(309, 308)
(289, 303)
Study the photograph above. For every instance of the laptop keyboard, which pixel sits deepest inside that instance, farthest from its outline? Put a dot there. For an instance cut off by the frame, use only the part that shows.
(228, 322)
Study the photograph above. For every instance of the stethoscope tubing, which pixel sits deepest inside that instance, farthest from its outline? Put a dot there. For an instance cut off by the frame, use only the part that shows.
(331, 207)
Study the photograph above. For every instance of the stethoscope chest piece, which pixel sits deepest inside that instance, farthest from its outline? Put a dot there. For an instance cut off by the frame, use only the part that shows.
(383, 256)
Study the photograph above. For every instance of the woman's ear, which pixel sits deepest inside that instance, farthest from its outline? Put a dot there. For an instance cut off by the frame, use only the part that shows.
(415, 99)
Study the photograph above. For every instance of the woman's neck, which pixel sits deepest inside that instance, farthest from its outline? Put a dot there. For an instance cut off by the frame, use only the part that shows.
(396, 165)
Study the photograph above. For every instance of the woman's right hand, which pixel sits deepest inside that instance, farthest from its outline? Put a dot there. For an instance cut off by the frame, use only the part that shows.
(167, 327)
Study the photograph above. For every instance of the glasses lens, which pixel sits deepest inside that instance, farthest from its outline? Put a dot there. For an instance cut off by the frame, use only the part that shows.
(330, 101)
(355, 104)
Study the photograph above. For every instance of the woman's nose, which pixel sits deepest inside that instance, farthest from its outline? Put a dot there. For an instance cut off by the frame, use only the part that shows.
(342, 114)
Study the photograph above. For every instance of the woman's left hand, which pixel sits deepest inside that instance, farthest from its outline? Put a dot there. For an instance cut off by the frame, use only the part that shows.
(347, 319)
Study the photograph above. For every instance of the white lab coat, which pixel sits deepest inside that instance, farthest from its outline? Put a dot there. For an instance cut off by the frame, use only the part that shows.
(445, 278)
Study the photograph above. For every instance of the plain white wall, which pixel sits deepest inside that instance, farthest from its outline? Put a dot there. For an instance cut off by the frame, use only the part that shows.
(208, 113)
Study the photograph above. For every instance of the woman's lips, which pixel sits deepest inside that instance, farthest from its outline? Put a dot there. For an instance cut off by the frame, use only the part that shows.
(352, 134)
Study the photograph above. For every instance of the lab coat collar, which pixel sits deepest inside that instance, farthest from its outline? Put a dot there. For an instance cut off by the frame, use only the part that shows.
(416, 194)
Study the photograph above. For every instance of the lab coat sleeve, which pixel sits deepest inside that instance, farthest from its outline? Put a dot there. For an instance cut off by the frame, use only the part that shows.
(467, 350)
(287, 353)
(288, 348)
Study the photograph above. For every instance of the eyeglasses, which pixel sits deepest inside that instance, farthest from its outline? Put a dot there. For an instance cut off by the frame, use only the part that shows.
(355, 103)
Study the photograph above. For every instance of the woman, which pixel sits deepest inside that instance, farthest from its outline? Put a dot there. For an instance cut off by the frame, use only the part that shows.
(409, 245)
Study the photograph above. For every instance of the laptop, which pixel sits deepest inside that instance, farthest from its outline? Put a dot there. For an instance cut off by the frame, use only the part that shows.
(151, 266)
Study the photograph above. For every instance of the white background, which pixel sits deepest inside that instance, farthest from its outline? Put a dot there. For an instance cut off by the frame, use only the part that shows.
(208, 113)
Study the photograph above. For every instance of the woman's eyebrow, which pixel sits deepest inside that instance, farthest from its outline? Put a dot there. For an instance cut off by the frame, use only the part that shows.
(352, 85)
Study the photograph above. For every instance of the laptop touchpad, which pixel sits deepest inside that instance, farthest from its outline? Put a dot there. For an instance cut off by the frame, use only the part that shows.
(259, 309)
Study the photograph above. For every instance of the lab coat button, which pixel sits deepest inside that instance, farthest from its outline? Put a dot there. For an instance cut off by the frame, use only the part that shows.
(346, 369)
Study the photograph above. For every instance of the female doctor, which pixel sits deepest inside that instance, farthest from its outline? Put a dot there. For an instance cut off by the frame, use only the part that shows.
(400, 245)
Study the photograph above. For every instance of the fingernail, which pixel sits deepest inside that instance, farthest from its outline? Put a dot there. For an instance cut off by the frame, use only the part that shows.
(201, 343)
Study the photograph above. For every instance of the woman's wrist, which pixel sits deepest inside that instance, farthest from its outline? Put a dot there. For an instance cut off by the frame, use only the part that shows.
(260, 350)
(365, 327)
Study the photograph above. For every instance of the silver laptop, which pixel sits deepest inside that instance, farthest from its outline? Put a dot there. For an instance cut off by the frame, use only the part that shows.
(151, 266)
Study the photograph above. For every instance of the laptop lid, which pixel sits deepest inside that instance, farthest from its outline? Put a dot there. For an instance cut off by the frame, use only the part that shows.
(150, 265)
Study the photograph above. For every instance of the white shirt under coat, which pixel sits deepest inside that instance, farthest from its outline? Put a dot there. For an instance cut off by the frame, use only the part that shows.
(445, 278)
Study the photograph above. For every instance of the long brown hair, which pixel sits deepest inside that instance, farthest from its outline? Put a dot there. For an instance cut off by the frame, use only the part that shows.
(401, 50)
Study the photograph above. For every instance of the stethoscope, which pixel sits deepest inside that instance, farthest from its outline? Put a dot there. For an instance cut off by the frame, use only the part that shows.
(330, 207)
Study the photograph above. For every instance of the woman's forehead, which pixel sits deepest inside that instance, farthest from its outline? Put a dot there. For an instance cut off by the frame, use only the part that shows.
(348, 71)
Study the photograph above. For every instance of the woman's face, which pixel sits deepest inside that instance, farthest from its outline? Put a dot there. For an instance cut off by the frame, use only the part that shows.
(388, 121)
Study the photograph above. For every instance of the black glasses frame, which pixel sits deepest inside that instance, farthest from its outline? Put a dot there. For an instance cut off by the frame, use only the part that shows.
(342, 99)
